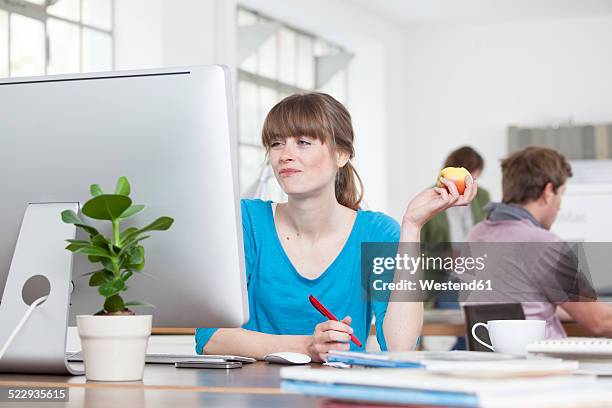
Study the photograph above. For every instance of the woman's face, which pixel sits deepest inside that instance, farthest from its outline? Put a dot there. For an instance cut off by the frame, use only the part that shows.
(304, 165)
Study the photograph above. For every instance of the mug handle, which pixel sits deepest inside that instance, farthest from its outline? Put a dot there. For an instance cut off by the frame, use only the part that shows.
(476, 337)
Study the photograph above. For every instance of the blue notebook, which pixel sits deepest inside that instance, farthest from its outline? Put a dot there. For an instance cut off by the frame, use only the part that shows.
(367, 361)
(381, 394)
(415, 359)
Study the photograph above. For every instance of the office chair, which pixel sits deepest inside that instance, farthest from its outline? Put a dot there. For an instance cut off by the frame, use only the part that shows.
(482, 313)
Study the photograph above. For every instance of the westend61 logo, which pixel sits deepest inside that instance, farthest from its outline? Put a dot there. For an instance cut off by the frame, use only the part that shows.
(412, 264)
(490, 272)
(420, 271)
(447, 265)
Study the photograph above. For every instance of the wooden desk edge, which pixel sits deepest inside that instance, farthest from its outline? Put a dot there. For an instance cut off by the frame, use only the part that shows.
(429, 329)
(140, 386)
(173, 330)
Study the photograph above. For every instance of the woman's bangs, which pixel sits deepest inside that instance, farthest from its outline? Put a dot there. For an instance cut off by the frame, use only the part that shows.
(293, 117)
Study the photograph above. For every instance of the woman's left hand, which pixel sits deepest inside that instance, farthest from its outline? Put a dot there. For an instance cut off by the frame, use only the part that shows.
(432, 201)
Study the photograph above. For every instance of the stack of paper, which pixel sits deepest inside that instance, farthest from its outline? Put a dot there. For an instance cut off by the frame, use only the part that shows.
(445, 388)
(458, 363)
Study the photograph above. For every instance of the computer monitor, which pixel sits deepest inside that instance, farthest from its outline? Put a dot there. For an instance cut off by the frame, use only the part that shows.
(172, 133)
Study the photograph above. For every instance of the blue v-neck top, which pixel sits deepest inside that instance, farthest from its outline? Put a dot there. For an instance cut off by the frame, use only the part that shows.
(278, 294)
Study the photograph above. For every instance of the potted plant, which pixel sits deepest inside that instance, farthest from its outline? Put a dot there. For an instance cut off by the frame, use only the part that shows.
(114, 340)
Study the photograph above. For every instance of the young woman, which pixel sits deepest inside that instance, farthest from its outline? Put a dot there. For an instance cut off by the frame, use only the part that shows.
(311, 244)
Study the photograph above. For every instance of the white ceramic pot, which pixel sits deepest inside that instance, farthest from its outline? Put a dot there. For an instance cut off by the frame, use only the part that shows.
(114, 347)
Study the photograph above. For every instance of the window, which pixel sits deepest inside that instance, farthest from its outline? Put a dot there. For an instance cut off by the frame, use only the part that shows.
(39, 37)
(283, 63)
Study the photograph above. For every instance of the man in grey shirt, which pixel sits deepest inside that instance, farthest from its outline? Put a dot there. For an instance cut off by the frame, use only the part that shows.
(533, 183)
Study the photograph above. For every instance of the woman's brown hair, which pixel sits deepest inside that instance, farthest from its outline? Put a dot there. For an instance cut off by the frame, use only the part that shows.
(321, 117)
(467, 157)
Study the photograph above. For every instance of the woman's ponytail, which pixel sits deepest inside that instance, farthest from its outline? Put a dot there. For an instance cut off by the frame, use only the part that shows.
(349, 187)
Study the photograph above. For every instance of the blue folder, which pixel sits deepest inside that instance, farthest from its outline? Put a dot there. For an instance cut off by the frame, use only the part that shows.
(370, 362)
(381, 394)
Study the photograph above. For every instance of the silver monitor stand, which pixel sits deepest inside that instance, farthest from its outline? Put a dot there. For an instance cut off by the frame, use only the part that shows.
(39, 260)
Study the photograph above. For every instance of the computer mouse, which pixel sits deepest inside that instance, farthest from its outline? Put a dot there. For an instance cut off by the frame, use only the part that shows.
(287, 357)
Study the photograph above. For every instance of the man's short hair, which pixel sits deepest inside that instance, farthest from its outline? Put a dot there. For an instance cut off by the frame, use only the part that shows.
(526, 172)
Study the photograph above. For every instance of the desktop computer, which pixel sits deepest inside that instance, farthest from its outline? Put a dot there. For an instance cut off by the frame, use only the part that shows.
(172, 133)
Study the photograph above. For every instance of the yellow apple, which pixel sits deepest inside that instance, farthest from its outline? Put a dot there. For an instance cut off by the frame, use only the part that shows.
(455, 174)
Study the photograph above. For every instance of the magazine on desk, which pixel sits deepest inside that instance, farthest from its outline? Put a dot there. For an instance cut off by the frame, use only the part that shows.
(423, 387)
(419, 356)
(458, 363)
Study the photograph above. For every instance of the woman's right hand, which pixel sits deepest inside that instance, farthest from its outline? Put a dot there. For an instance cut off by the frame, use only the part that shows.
(330, 335)
(432, 201)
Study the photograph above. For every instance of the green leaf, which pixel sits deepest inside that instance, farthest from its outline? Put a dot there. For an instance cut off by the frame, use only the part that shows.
(107, 263)
(94, 259)
(89, 229)
(129, 245)
(75, 247)
(112, 287)
(134, 259)
(123, 186)
(160, 224)
(114, 304)
(133, 210)
(93, 250)
(128, 231)
(88, 274)
(138, 267)
(101, 277)
(126, 275)
(137, 255)
(70, 217)
(95, 190)
(77, 241)
(106, 206)
(100, 241)
(138, 303)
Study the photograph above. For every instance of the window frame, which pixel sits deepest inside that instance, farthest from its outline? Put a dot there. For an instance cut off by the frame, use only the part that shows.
(40, 13)
(276, 84)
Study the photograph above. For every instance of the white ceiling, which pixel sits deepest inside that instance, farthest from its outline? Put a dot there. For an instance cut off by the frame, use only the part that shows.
(406, 12)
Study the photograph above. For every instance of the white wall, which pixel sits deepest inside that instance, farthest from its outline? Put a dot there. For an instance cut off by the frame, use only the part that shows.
(138, 34)
(165, 33)
(467, 83)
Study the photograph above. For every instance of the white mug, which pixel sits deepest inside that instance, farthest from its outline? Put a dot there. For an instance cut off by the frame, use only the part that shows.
(512, 336)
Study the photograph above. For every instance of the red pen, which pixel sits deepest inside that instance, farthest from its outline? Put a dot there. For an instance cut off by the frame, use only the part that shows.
(323, 310)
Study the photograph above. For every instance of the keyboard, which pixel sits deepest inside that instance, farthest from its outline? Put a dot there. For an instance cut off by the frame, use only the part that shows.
(173, 358)
(594, 354)
(575, 346)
